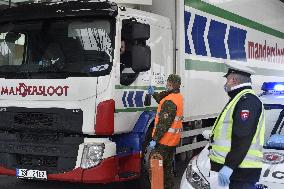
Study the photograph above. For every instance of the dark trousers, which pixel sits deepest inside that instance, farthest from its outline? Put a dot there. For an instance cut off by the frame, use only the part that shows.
(241, 185)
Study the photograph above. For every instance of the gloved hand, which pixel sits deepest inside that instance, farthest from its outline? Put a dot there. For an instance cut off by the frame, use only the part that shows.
(151, 90)
(152, 144)
(224, 176)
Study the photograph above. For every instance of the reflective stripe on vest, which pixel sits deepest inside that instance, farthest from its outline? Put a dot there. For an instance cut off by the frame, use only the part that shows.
(172, 137)
(172, 130)
(222, 131)
(177, 118)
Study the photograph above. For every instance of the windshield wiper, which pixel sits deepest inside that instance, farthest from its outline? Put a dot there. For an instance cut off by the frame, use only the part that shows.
(56, 75)
(13, 75)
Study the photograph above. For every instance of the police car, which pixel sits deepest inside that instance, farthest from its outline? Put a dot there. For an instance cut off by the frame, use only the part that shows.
(272, 177)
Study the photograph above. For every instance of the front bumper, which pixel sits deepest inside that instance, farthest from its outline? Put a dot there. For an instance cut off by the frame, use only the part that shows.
(107, 171)
(111, 168)
(184, 184)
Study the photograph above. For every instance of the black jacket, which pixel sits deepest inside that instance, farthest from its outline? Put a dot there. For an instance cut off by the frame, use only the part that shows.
(242, 136)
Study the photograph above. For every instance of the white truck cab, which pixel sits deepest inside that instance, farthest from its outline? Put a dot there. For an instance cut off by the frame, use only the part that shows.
(197, 173)
(69, 110)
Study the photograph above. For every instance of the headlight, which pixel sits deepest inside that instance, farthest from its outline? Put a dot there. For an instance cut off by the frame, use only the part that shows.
(92, 155)
(197, 181)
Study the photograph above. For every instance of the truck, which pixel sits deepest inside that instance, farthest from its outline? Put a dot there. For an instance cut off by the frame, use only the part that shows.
(74, 106)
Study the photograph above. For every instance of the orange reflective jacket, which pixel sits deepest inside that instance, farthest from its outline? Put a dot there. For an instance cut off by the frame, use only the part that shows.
(172, 137)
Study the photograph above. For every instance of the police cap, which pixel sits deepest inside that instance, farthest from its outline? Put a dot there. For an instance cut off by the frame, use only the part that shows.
(238, 68)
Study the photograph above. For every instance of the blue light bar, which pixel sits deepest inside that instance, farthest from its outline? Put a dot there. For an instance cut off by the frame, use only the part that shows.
(273, 86)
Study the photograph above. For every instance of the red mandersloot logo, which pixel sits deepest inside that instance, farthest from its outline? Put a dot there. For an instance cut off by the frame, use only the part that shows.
(25, 90)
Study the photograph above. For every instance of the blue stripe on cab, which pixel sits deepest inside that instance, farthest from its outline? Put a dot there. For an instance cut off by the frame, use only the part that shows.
(130, 98)
(124, 99)
(138, 98)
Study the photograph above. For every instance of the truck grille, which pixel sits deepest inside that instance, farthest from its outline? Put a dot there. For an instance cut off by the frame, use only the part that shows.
(35, 138)
(52, 152)
(41, 139)
(39, 119)
(38, 162)
(35, 119)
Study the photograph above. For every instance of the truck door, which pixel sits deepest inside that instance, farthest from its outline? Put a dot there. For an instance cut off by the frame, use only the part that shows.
(133, 74)
(146, 59)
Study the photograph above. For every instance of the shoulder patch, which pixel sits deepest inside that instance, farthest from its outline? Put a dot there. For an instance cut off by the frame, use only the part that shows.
(245, 114)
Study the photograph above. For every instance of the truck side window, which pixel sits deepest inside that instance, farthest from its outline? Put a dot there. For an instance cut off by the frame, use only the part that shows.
(12, 48)
(127, 75)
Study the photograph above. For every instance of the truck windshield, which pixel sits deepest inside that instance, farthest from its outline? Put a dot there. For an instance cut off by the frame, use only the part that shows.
(56, 49)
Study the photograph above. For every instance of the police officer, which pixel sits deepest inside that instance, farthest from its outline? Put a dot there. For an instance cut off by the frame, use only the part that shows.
(238, 133)
(168, 125)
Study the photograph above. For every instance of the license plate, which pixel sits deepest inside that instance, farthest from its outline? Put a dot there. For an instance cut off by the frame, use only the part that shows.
(31, 174)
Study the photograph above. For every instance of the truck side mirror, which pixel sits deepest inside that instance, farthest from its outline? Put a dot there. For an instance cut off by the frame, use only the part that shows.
(133, 30)
(141, 58)
(140, 31)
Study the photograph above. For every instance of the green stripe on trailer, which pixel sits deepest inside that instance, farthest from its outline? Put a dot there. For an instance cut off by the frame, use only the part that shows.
(198, 65)
(136, 109)
(138, 87)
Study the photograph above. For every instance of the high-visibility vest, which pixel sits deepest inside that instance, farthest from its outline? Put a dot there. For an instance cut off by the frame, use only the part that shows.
(222, 136)
(172, 137)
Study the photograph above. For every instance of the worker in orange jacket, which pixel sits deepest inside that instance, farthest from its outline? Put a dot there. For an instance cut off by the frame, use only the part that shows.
(168, 125)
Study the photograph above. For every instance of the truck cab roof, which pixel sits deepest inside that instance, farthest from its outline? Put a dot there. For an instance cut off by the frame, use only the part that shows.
(38, 11)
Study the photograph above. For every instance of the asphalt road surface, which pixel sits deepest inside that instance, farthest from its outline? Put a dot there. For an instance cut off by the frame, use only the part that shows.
(14, 183)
